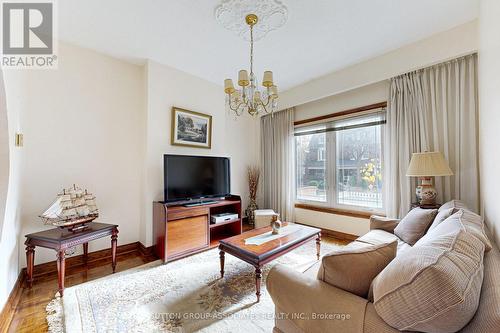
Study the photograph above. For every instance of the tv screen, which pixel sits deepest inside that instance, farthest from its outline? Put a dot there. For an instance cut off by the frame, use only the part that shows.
(195, 177)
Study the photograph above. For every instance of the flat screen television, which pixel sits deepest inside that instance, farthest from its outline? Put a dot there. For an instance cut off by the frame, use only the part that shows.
(195, 177)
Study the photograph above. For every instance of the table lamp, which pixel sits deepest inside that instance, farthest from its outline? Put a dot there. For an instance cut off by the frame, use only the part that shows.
(425, 166)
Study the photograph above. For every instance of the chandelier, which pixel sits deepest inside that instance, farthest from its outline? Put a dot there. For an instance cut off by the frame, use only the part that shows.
(249, 98)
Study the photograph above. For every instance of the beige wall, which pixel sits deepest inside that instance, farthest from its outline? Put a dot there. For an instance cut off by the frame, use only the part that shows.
(235, 138)
(83, 123)
(437, 48)
(10, 223)
(369, 94)
(489, 112)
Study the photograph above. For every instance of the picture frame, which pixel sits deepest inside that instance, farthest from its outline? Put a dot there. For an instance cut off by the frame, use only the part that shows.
(191, 129)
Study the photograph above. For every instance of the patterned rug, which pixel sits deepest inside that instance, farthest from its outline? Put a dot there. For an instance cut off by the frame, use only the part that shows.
(187, 295)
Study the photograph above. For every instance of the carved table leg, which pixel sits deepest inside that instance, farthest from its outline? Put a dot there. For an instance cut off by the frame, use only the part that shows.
(114, 240)
(85, 252)
(221, 256)
(258, 276)
(30, 262)
(318, 245)
(61, 268)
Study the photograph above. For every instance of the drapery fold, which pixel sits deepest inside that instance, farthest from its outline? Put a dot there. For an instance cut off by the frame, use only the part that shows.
(433, 109)
(277, 162)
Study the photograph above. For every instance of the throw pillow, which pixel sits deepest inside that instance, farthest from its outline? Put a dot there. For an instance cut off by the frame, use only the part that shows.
(414, 225)
(432, 288)
(353, 267)
(457, 204)
(461, 220)
(441, 216)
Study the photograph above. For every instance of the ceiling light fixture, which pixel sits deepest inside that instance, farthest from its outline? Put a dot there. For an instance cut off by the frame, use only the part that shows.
(249, 98)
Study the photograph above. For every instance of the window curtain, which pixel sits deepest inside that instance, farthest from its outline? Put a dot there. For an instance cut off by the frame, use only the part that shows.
(433, 109)
(278, 163)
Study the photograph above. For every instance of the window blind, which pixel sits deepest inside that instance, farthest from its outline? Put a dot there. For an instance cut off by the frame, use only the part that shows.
(367, 120)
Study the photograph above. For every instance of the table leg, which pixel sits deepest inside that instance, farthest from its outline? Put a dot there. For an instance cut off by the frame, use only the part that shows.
(221, 257)
(61, 268)
(318, 245)
(114, 241)
(258, 276)
(30, 262)
(85, 252)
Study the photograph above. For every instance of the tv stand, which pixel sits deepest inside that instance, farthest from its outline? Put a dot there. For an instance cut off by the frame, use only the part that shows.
(180, 230)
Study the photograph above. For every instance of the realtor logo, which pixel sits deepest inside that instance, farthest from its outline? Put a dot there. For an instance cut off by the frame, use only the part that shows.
(28, 34)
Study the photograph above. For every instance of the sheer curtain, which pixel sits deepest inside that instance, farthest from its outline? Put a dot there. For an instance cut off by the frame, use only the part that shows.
(277, 162)
(434, 109)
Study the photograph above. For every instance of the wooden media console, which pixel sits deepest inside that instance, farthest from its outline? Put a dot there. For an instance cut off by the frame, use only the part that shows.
(179, 231)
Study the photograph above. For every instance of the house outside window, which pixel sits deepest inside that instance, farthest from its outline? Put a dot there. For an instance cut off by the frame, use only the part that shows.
(339, 163)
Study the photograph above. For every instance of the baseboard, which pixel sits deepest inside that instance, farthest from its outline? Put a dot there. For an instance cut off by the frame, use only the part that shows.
(146, 251)
(335, 234)
(10, 306)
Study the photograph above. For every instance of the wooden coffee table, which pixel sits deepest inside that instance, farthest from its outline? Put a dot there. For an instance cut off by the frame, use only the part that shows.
(259, 255)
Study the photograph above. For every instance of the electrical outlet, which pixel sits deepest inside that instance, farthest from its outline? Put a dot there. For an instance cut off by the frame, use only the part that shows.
(19, 140)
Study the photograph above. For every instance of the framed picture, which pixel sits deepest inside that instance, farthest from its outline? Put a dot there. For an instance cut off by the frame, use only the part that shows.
(192, 129)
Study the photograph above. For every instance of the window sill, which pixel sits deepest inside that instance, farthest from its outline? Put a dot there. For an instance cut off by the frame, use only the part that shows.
(337, 211)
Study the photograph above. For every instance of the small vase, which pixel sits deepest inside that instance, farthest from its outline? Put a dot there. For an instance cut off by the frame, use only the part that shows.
(276, 225)
(250, 211)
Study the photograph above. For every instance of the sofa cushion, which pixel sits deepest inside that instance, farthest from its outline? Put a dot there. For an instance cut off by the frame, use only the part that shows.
(457, 204)
(441, 216)
(354, 266)
(487, 318)
(432, 288)
(414, 225)
(378, 237)
(461, 220)
(383, 223)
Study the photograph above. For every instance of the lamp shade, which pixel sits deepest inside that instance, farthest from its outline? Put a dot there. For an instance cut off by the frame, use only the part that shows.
(228, 86)
(428, 164)
(243, 78)
(268, 79)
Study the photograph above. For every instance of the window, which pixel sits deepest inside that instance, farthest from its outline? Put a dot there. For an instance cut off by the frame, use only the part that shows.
(339, 163)
(311, 169)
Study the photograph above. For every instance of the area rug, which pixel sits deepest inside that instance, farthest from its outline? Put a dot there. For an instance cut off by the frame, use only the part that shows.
(187, 295)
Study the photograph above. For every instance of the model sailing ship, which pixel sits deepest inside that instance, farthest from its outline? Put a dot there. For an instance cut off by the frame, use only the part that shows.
(72, 207)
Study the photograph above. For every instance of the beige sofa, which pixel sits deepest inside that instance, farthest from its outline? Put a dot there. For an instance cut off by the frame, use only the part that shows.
(303, 303)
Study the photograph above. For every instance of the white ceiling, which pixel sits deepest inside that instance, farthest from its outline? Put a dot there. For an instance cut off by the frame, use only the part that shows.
(321, 36)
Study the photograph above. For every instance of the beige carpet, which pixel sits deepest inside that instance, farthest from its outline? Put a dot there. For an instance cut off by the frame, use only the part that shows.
(187, 295)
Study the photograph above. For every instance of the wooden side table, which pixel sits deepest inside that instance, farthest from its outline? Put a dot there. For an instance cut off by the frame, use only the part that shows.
(60, 239)
(416, 204)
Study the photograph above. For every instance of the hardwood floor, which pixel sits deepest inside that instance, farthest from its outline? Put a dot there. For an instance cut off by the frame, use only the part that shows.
(30, 312)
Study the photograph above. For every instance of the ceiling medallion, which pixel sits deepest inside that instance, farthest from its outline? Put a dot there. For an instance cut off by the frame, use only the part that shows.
(231, 14)
(249, 98)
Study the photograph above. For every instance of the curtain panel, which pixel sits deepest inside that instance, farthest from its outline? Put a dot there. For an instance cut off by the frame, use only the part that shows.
(434, 109)
(278, 163)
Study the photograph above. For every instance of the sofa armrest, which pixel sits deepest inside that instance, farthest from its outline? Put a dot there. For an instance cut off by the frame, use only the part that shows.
(313, 305)
(383, 223)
